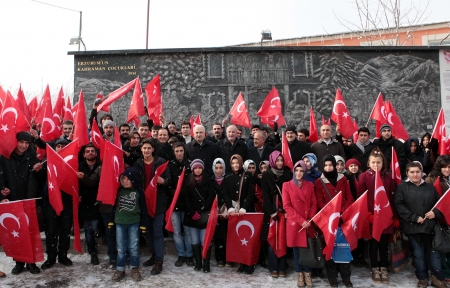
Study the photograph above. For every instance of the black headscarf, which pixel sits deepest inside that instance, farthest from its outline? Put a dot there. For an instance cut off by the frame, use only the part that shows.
(333, 175)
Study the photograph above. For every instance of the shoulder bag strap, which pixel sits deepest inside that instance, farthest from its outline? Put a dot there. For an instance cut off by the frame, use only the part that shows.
(326, 189)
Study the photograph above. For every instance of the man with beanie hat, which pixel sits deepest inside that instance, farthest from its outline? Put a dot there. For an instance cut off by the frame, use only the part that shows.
(18, 182)
(386, 142)
(297, 148)
(108, 130)
(326, 145)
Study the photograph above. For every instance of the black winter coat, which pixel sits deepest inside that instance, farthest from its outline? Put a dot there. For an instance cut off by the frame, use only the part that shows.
(222, 224)
(269, 183)
(135, 153)
(412, 201)
(175, 168)
(207, 152)
(161, 198)
(386, 147)
(297, 149)
(253, 154)
(226, 150)
(353, 151)
(89, 208)
(231, 185)
(16, 174)
(198, 199)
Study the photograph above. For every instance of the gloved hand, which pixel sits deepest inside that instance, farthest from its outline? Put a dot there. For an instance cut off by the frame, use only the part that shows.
(143, 229)
(275, 126)
(196, 216)
(370, 217)
(275, 218)
(97, 101)
(396, 223)
(110, 225)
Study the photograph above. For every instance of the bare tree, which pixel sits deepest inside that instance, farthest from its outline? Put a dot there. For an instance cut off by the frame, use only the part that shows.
(382, 22)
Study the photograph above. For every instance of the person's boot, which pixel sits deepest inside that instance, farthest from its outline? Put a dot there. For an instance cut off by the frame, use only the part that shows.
(206, 262)
(347, 283)
(196, 250)
(149, 262)
(301, 279)
(376, 275)
(190, 261)
(18, 268)
(33, 268)
(422, 283)
(308, 280)
(157, 268)
(437, 283)
(250, 269)
(51, 260)
(94, 259)
(62, 259)
(180, 261)
(384, 275)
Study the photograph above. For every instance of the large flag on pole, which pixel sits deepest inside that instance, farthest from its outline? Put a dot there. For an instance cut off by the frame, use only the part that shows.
(239, 113)
(210, 227)
(117, 94)
(355, 224)
(382, 211)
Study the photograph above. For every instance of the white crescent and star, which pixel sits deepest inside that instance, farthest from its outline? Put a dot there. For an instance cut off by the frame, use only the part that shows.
(9, 215)
(10, 109)
(68, 158)
(383, 112)
(330, 222)
(245, 223)
(98, 135)
(389, 118)
(50, 121)
(240, 104)
(335, 105)
(4, 128)
(354, 220)
(377, 207)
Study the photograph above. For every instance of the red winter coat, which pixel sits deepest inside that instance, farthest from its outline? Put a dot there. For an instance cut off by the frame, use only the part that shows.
(341, 185)
(300, 205)
(367, 182)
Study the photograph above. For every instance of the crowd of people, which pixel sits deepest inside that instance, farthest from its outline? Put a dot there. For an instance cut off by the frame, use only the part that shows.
(246, 175)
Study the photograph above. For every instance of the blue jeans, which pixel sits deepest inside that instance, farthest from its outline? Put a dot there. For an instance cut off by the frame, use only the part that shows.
(110, 234)
(127, 241)
(90, 226)
(155, 236)
(197, 235)
(276, 264)
(298, 267)
(182, 242)
(425, 257)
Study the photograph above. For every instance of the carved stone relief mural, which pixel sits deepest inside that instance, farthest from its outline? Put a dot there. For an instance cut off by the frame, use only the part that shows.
(209, 82)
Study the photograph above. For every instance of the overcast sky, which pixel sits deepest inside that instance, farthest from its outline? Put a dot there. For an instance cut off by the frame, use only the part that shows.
(34, 37)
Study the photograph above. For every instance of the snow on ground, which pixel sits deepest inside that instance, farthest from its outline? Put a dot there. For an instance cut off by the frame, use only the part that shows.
(83, 274)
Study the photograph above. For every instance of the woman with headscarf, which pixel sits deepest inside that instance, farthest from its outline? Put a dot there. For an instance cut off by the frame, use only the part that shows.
(311, 164)
(429, 145)
(340, 164)
(198, 198)
(442, 169)
(415, 153)
(220, 235)
(299, 201)
(239, 196)
(271, 184)
(259, 200)
(326, 187)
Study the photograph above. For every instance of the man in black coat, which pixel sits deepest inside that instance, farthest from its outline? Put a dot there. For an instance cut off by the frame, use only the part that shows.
(230, 146)
(361, 149)
(297, 148)
(17, 181)
(259, 152)
(217, 133)
(202, 149)
(386, 142)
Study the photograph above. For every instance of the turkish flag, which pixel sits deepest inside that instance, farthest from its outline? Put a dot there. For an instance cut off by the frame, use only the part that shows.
(378, 110)
(355, 224)
(382, 210)
(151, 190)
(243, 235)
(169, 225)
(137, 103)
(117, 94)
(325, 219)
(104, 108)
(59, 105)
(22, 123)
(154, 99)
(8, 128)
(442, 205)
(326, 122)
(49, 129)
(15, 235)
(45, 103)
(112, 167)
(276, 118)
(277, 235)
(398, 130)
(2, 97)
(341, 116)
(286, 152)
(56, 174)
(313, 132)
(29, 207)
(96, 136)
(32, 106)
(239, 113)
(74, 111)
(355, 135)
(70, 185)
(437, 185)
(395, 168)
(195, 120)
(440, 132)
(271, 105)
(81, 129)
(210, 227)
(68, 111)
(21, 103)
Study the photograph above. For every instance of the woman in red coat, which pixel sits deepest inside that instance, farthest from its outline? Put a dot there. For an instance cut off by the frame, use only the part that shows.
(326, 187)
(367, 182)
(299, 202)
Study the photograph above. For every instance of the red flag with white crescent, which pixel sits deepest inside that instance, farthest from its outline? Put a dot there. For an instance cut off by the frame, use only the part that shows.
(355, 224)
(29, 208)
(239, 113)
(395, 168)
(112, 167)
(378, 110)
(96, 136)
(137, 104)
(56, 174)
(398, 130)
(440, 133)
(151, 190)
(8, 128)
(286, 152)
(115, 95)
(81, 129)
(44, 104)
(382, 211)
(341, 116)
(68, 111)
(154, 99)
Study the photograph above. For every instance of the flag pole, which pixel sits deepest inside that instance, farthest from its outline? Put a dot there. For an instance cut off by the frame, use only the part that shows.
(320, 211)
(276, 227)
